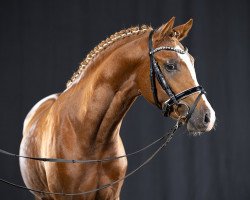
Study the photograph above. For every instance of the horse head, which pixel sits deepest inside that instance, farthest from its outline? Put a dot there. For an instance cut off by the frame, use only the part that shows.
(173, 78)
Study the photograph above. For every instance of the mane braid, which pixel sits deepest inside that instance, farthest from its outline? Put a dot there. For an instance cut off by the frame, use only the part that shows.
(102, 46)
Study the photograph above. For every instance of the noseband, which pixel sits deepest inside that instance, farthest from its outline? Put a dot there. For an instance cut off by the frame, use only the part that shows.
(156, 74)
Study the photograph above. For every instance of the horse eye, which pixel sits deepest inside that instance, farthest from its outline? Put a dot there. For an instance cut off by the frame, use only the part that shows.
(170, 67)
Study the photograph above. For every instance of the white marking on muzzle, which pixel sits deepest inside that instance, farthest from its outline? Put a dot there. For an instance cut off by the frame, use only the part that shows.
(212, 113)
(186, 59)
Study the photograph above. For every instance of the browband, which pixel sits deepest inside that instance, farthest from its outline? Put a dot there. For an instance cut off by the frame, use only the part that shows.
(169, 49)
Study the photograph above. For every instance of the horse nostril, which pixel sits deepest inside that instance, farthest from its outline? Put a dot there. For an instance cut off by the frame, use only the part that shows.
(206, 118)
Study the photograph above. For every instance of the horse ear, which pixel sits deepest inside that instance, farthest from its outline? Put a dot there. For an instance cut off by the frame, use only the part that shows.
(180, 32)
(166, 29)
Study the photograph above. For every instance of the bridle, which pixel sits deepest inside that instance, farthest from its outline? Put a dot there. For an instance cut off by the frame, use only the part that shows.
(156, 74)
(166, 106)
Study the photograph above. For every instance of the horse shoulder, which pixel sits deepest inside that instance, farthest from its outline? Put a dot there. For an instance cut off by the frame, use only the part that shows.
(38, 110)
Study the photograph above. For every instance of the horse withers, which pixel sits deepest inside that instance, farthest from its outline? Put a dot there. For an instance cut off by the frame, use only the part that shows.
(83, 122)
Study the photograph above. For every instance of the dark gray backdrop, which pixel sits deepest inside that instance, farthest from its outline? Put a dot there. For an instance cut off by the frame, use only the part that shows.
(42, 42)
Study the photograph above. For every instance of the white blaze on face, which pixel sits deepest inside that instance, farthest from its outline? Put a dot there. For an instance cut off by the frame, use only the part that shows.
(186, 59)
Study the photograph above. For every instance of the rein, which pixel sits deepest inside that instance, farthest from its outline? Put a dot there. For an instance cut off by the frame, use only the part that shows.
(155, 74)
(167, 138)
(60, 160)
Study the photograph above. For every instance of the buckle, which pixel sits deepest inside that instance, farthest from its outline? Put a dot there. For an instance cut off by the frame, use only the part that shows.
(166, 108)
(182, 110)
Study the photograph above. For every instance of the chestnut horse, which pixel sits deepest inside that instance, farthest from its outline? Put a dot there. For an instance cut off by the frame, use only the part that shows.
(83, 122)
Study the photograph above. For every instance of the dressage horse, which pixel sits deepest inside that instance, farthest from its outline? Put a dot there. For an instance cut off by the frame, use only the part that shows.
(83, 121)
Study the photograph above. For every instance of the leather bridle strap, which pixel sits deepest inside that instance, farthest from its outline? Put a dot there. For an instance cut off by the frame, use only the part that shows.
(191, 110)
(156, 74)
(167, 104)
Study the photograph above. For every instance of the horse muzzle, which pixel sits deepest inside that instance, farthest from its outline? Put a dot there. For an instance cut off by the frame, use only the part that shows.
(202, 120)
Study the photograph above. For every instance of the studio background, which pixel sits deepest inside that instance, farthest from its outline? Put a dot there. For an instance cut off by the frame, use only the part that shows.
(42, 43)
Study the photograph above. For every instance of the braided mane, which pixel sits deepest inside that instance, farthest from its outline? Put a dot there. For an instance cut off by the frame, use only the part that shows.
(103, 45)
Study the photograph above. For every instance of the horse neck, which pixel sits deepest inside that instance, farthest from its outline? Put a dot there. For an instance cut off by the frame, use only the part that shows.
(100, 100)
